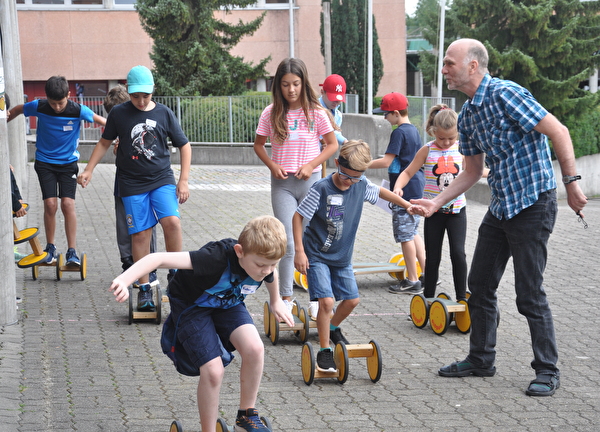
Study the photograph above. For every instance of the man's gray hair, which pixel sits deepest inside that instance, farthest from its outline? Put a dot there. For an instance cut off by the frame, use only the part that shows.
(477, 51)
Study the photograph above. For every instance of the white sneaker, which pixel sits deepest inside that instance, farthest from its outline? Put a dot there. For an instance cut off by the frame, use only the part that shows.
(290, 305)
(313, 310)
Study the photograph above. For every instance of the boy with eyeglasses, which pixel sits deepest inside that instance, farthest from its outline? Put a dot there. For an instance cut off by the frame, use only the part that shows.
(333, 207)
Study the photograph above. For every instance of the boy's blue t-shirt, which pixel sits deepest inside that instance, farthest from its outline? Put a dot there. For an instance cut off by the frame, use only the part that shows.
(405, 142)
(216, 272)
(57, 133)
(333, 216)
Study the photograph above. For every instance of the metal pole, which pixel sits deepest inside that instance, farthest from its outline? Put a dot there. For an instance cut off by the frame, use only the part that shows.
(370, 57)
(327, 36)
(291, 3)
(441, 48)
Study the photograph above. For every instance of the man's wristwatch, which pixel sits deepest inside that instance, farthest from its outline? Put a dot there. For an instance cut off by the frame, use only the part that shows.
(570, 179)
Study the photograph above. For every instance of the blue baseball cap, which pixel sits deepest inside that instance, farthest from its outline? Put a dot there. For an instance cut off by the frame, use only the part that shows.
(140, 80)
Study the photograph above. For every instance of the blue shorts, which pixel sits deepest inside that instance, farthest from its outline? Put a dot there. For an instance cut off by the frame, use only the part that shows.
(202, 331)
(143, 211)
(405, 226)
(329, 281)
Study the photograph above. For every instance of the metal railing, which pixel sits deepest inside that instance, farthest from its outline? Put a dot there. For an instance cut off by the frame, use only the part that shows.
(233, 119)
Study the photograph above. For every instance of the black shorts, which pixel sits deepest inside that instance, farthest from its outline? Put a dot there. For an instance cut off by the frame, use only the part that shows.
(57, 180)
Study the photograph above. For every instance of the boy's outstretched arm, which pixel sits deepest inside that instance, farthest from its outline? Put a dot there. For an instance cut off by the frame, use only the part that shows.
(278, 308)
(175, 260)
(390, 196)
(185, 156)
(300, 259)
(98, 119)
(99, 151)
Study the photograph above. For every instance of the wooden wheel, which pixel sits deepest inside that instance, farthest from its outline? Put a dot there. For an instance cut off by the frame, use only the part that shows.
(308, 363)
(130, 305)
(273, 329)
(267, 318)
(446, 296)
(60, 262)
(374, 362)
(26, 235)
(35, 272)
(303, 317)
(340, 356)
(83, 266)
(32, 260)
(419, 311)
(297, 278)
(303, 281)
(176, 427)
(158, 304)
(395, 259)
(222, 425)
(463, 319)
(439, 318)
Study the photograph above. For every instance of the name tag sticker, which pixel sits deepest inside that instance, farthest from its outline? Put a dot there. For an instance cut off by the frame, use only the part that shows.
(337, 200)
(151, 123)
(294, 135)
(67, 128)
(249, 289)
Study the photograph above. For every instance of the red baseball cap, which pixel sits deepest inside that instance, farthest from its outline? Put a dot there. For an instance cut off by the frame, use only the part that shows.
(392, 102)
(334, 87)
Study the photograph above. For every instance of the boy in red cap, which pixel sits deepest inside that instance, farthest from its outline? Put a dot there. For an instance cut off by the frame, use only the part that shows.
(333, 93)
(405, 141)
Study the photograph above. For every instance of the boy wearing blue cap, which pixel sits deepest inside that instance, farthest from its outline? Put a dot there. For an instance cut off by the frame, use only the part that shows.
(145, 179)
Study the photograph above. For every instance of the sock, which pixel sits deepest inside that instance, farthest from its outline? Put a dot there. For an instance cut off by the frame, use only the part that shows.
(325, 349)
(332, 327)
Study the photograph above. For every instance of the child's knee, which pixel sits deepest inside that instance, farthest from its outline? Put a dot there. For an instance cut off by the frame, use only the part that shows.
(212, 372)
(352, 303)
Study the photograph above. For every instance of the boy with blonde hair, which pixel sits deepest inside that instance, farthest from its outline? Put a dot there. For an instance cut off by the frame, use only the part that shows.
(333, 208)
(209, 315)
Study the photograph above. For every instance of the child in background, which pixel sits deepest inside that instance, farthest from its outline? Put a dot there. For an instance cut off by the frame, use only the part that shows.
(207, 303)
(293, 123)
(333, 208)
(443, 162)
(146, 181)
(404, 144)
(56, 157)
(116, 96)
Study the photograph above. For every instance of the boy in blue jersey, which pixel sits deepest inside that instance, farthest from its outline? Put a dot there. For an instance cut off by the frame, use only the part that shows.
(207, 302)
(333, 208)
(56, 157)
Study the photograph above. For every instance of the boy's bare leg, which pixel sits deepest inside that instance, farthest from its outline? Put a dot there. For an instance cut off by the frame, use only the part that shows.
(171, 226)
(410, 259)
(247, 342)
(344, 309)
(209, 387)
(50, 209)
(140, 247)
(323, 321)
(67, 206)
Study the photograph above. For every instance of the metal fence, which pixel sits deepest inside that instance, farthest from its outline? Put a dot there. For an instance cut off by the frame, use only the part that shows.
(233, 119)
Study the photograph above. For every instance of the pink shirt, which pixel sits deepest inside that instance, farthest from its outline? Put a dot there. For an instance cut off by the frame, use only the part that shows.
(302, 144)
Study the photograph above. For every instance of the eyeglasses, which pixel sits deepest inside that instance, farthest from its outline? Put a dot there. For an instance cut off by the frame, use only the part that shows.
(345, 176)
(385, 114)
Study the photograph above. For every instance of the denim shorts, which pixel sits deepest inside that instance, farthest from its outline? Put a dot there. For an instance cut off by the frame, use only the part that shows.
(405, 226)
(202, 331)
(330, 281)
(143, 211)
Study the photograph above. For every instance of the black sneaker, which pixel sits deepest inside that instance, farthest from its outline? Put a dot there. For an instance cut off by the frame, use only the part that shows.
(325, 362)
(407, 286)
(248, 420)
(145, 301)
(51, 249)
(337, 336)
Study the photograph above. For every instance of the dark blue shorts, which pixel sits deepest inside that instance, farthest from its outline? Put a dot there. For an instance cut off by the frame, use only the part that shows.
(202, 331)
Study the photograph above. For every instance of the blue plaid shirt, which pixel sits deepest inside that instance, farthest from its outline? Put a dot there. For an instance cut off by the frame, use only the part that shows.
(499, 122)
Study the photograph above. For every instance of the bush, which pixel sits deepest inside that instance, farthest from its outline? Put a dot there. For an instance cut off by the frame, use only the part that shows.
(585, 132)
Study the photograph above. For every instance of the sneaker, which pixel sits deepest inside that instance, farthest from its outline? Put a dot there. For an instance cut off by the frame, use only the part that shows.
(407, 286)
(325, 362)
(465, 368)
(422, 280)
(19, 299)
(248, 420)
(51, 249)
(543, 385)
(153, 279)
(289, 305)
(145, 301)
(337, 336)
(313, 310)
(19, 256)
(72, 260)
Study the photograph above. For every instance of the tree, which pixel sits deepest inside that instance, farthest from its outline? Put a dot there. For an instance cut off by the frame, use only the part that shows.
(547, 46)
(349, 47)
(191, 47)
